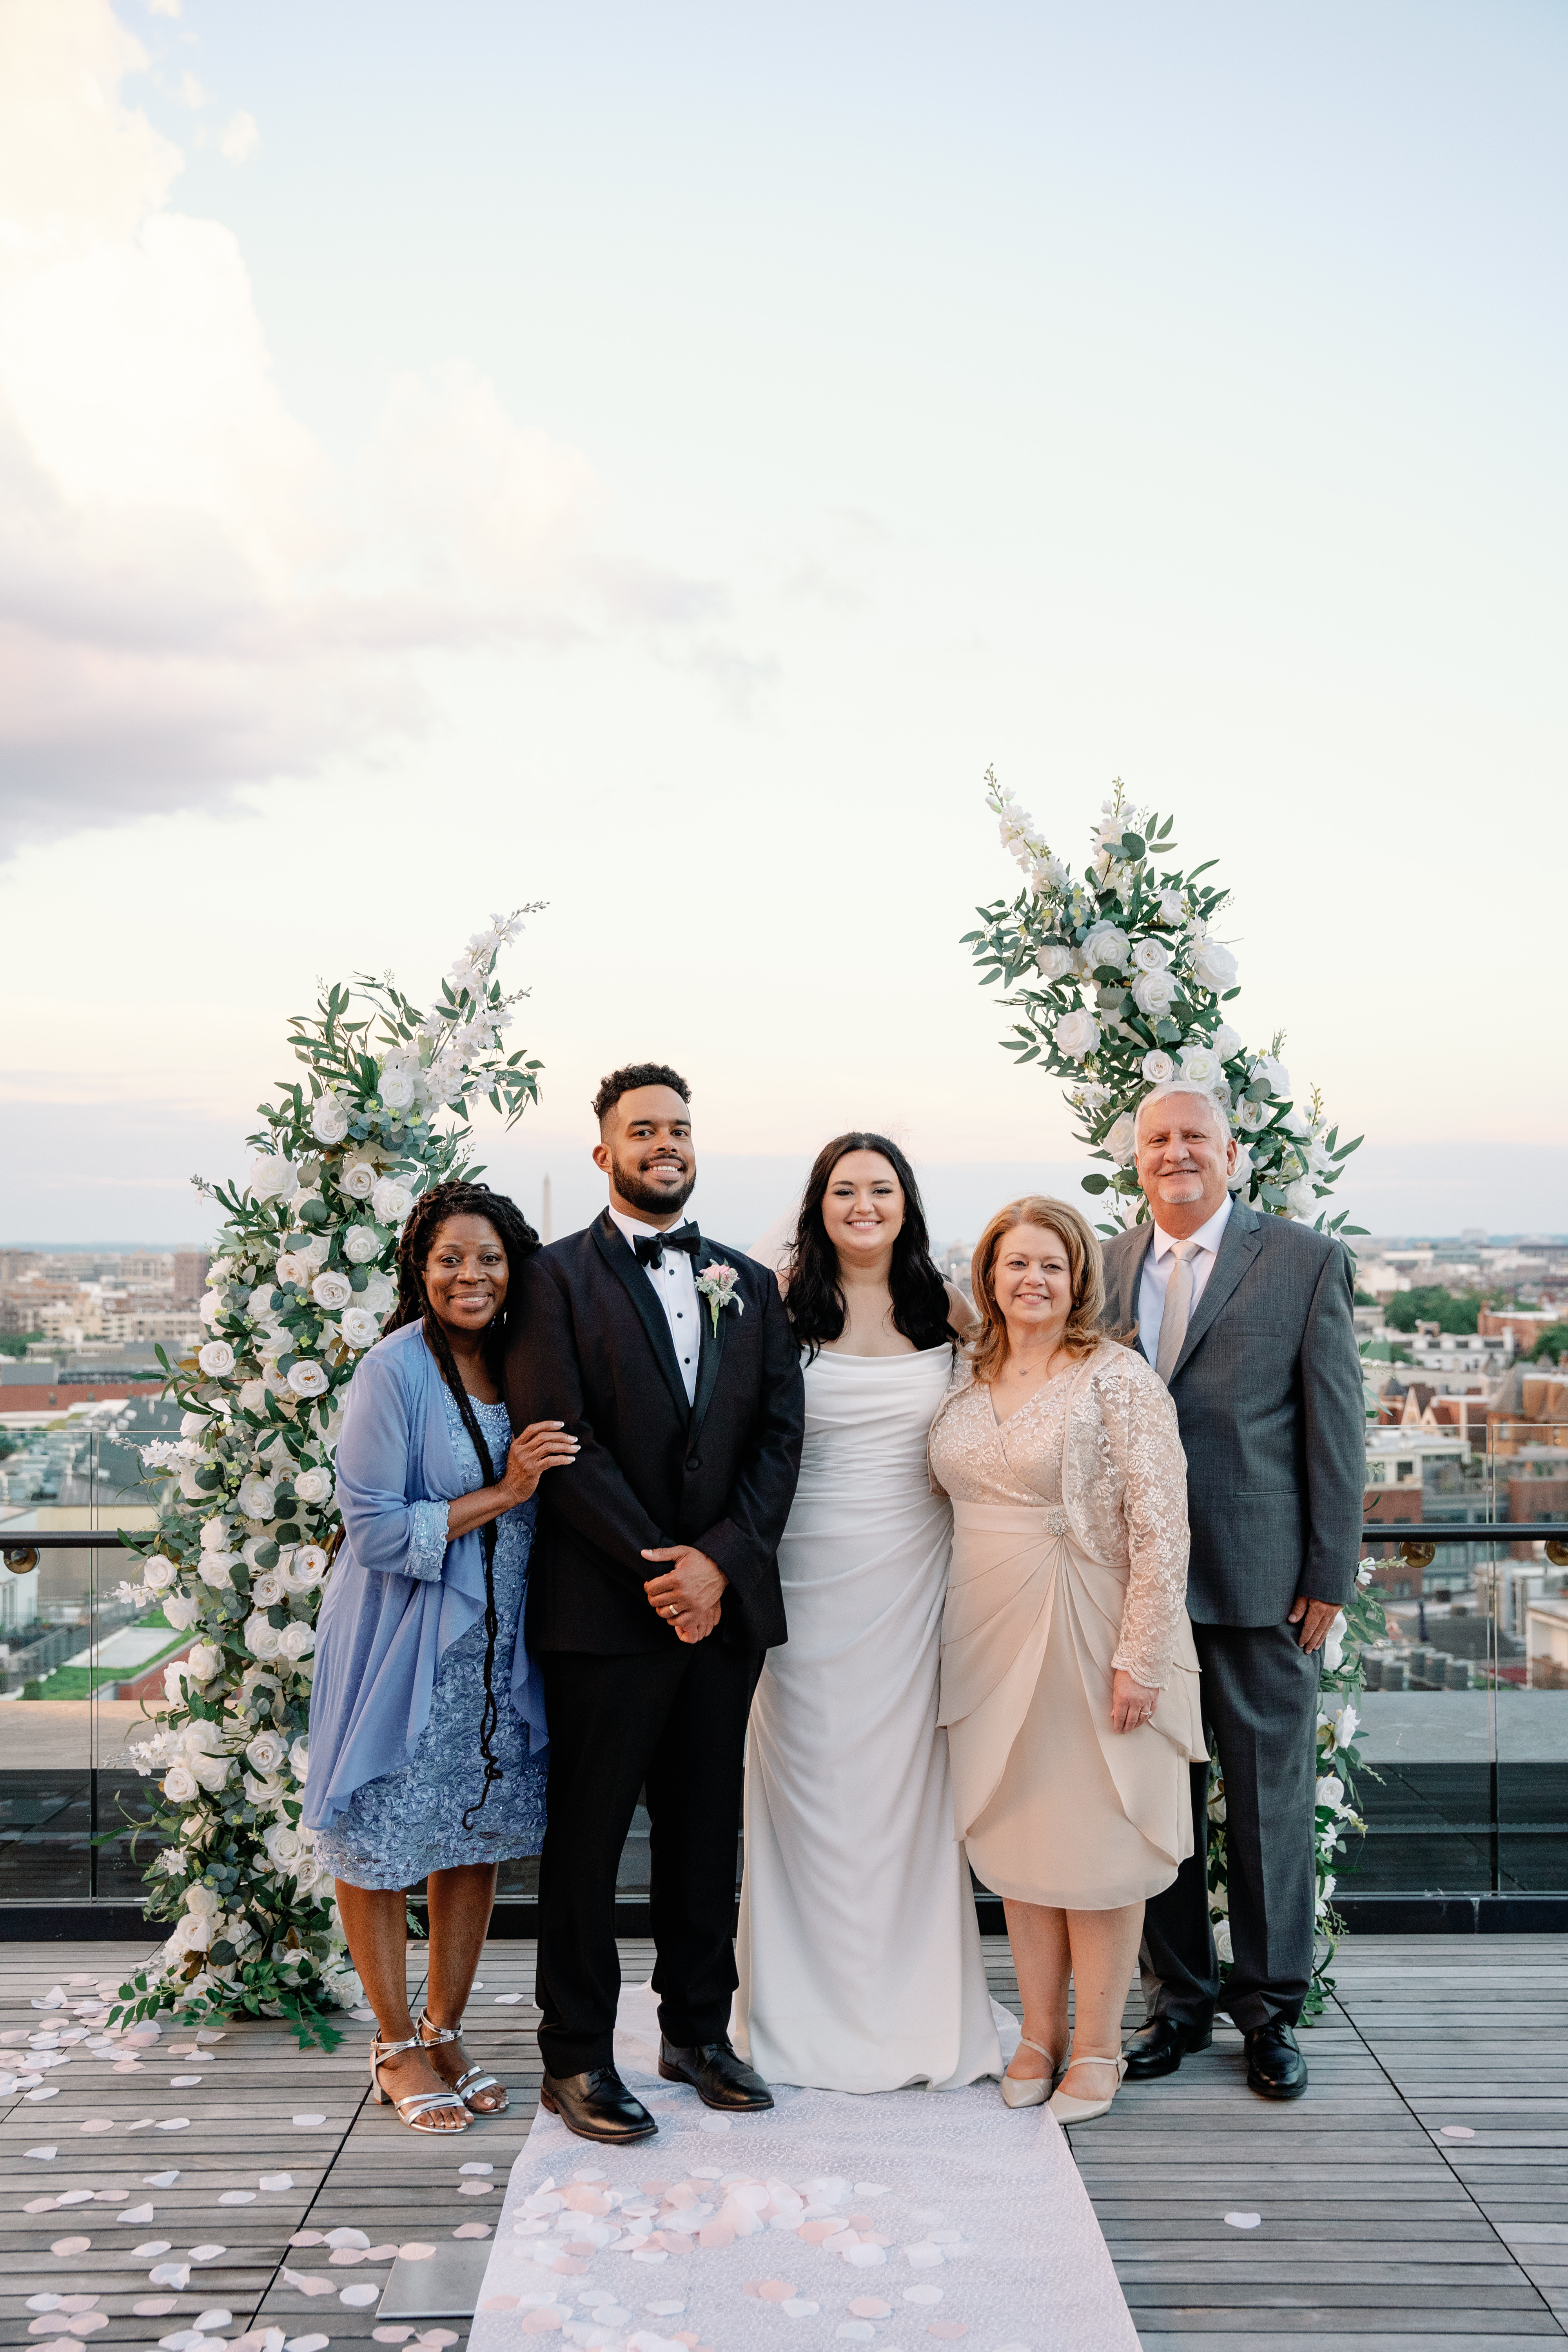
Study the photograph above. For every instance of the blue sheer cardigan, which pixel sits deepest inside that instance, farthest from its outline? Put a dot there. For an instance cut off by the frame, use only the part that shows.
(383, 1624)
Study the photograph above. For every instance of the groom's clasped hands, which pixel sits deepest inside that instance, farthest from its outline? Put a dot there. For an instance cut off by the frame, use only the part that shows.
(687, 1598)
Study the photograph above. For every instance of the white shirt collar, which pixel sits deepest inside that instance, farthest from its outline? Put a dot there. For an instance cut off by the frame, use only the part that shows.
(631, 1227)
(1206, 1237)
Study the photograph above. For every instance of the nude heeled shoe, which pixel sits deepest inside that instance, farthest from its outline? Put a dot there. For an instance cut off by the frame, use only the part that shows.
(1070, 2110)
(1025, 2090)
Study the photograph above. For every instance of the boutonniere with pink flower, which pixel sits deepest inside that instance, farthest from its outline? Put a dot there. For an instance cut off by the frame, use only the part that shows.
(720, 1286)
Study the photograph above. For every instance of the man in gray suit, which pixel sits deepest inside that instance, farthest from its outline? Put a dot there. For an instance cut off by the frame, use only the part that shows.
(1247, 1320)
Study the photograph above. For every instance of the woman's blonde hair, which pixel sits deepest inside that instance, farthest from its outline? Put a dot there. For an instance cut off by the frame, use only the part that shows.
(988, 1349)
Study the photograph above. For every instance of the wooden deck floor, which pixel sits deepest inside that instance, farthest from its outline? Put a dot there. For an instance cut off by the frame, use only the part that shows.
(1376, 2229)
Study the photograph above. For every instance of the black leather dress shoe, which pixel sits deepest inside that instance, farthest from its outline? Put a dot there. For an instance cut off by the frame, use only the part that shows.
(718, 2076)
(1158, 2047)
(596, 2105)
(1275, 2067)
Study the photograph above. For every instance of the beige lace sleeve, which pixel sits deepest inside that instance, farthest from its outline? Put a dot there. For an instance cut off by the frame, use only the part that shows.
(1140, 1423)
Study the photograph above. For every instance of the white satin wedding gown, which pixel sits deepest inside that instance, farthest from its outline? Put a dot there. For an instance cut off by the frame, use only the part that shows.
(859, 1949)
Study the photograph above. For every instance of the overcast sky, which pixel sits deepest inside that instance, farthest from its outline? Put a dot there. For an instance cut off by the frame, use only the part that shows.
(652, 461)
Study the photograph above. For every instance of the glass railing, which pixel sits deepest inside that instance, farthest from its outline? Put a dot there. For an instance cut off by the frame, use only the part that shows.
(1465, 1738)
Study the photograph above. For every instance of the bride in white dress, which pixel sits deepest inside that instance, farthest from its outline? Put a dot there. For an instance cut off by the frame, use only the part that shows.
(859, 1949)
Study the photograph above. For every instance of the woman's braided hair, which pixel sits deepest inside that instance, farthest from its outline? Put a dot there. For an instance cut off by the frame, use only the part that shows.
(519, 1240)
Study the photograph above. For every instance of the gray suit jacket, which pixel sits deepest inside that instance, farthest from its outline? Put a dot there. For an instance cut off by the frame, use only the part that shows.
(1267, 1394)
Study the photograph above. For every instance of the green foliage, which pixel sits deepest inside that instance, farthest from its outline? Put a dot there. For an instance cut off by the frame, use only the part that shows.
(1451, 1310)
(16, 1343)
(1552, 1343)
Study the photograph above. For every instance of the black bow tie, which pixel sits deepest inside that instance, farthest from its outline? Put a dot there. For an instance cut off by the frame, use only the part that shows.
(650, 1247)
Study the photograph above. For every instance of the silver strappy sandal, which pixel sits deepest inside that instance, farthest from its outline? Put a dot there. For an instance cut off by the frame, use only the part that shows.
(417, 2102)
(469, 2085)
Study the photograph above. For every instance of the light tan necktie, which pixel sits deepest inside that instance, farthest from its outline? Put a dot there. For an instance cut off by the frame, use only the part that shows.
(1178, 1309)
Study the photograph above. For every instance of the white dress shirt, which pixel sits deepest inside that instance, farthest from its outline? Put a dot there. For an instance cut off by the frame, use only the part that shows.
(1157, 1264)
(674, 1280)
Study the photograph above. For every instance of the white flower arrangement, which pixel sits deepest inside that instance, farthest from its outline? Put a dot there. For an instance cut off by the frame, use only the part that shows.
(300, 1286)
(1123, 983)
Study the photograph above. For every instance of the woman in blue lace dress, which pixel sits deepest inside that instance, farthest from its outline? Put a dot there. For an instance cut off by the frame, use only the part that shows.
(427, 1720)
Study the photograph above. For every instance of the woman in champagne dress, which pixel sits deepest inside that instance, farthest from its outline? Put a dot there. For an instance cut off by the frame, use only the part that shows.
(1070, 1680)
(859, 1949)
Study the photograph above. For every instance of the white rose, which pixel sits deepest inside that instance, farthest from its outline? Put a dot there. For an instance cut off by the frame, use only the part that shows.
(397, 1089)
(1158, 1068)
(212, 1771)
(192, 1424)
(331, 1291)
(296, 1641)
(253, 1396)
(216, 1569)
(328, 1120)
(158, 1575)
(1214, 966)
(1119, 1142)
(294, 1267)
(214, 1535)
(260, 1638)
(1240, 1176)
(1106, 944)
(205, 1661)
(204, 1902)
(360, 1244)
(1076, 1035)
(271, 1179)
(307, 1379)
(283, 1843)
(255, 1498)
(1251, 1116)
(357, 1179)
(307, 1567)
(1153, 992)
(188, 1486)
(314, 1486)
(1200, 1065)
(1226, 1041)
(1222, 1940)
(1275, 1074)
(201, 1739)
(1054, 960)
(266, 1751)
(1151, 955)
(210, 1306)
(1301, 1198)
(182, 1612)
(1171, 907)
(269, 1588)
(175, 1676)
(217, 1358)
(1331, 1790)
(380, 1292)
(179, 1784)
(359, 1327)
(391, 1202)
(300, 1758)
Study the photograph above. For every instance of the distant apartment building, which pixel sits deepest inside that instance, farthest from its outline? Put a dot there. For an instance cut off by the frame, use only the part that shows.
(189, 1277)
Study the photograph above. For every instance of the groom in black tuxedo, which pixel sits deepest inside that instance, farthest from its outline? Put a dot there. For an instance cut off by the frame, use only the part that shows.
(653, 1594)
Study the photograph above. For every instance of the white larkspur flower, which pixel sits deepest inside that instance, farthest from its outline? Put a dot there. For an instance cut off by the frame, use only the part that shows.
(360, 1244)
(217, 1358)
(359, 1327)
(1214, 966)
(1055, 961)
(1076, 1035)
(1153, 992)
(356, 1178)
(331, 1291)
(1158, 1068)
(307, 1377)
(328, 1120)
(1151, 955)
(314, 1485)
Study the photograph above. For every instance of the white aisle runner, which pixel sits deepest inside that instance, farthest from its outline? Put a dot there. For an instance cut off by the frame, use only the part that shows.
(907, 2220)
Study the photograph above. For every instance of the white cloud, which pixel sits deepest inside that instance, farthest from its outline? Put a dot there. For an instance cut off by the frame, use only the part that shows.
(241, 138)
(192, 596)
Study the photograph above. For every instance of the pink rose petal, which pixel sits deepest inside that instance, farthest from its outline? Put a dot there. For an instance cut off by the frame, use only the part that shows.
(947, 2329)
(866, 2306)
(473, 2230)
(415, 2252)
(98, 2124)
(775, 2290)
(1456, 2131)
(67, 2246)
(153, 2306)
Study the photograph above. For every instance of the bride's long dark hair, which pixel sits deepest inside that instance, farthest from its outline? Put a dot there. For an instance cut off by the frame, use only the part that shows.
(815, 1299)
